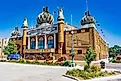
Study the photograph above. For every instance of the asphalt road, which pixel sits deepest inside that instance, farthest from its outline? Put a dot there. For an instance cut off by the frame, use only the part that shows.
(113, 66)
(21, 72)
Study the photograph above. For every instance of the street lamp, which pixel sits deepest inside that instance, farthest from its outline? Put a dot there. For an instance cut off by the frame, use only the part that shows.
(72, 49)
(107, 56)
(61, 51)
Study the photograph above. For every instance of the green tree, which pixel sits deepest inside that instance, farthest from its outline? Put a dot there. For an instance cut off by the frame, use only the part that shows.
(89, 56)
(10, 48)
(114, 51)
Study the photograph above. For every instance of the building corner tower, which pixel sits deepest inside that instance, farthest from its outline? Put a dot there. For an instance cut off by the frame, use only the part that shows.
(61, 24)
(24, 27)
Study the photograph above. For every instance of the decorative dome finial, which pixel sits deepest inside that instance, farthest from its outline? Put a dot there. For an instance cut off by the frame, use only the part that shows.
(87, 19)
(60, 15)
(45, 9)
(25, 24)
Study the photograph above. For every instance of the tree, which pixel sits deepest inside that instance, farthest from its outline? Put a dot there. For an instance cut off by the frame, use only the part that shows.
(114, 51)
(89, 56)
(10, 48)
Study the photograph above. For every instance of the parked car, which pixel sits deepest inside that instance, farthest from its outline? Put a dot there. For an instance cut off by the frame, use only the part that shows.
(14, 56)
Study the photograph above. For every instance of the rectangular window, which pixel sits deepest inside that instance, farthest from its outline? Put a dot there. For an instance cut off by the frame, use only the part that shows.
(5, 42)
(41, 44)
(51, 43)
(79, 52)
(86, 30)
(32, 44)
(78, 31)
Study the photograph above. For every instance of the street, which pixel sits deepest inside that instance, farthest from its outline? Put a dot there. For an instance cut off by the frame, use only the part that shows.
(24, 72)
(21, 72)
(113, 66)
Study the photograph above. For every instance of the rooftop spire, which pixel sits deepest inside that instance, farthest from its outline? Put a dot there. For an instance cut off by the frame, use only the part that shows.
(25, 24)
(86, 5)
(60, 15)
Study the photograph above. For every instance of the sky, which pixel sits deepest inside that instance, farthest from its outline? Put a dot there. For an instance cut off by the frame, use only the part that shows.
(106, 12)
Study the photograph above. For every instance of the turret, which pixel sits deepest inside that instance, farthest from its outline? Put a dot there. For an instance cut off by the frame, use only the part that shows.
(87, 21)
(24, 27)
(60, 30)
(15, 32)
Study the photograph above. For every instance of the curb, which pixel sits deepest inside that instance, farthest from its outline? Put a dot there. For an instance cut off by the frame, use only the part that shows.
(71, 77)
(34, 65)
(106, 78)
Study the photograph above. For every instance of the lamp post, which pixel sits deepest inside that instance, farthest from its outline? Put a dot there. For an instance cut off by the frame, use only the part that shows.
(61, 51)
(107, 56)
(72, 49)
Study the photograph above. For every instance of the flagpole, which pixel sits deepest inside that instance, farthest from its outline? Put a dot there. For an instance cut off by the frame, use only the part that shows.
(86, 5)
(71, 19)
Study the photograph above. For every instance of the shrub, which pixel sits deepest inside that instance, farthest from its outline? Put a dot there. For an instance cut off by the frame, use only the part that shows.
(85, 75)
(63, 58)
(73, 72)
(88, 75)
(22, 61)
(55, 64)
(89, 56)
(95, 68)
(86, 67)
(28, 62)
(60, 63)
(67, 63)
(34, 62)
(112, 73)
(43, 63)
(113, 61)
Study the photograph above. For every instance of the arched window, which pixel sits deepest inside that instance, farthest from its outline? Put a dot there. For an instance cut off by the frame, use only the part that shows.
(41, 43)
(33, 43)
(50, 42)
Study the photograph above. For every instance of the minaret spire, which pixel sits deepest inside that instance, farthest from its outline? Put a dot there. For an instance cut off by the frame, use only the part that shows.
(24, 27)
(71, 19)
(86, 5)
(61, 24)
(60, 15)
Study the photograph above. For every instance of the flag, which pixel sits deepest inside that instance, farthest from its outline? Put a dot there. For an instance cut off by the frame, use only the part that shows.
(98, 24)
(96, 21)
(54, 12)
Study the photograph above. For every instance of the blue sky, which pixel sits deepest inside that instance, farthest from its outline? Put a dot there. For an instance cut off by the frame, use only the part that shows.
(107, 13)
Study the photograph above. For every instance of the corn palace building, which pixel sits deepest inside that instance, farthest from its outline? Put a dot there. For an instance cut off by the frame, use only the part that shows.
(49, 39)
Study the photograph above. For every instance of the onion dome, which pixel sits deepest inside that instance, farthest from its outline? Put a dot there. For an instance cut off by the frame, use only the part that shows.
(15, 32)
(45, 17)
(87, 19)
